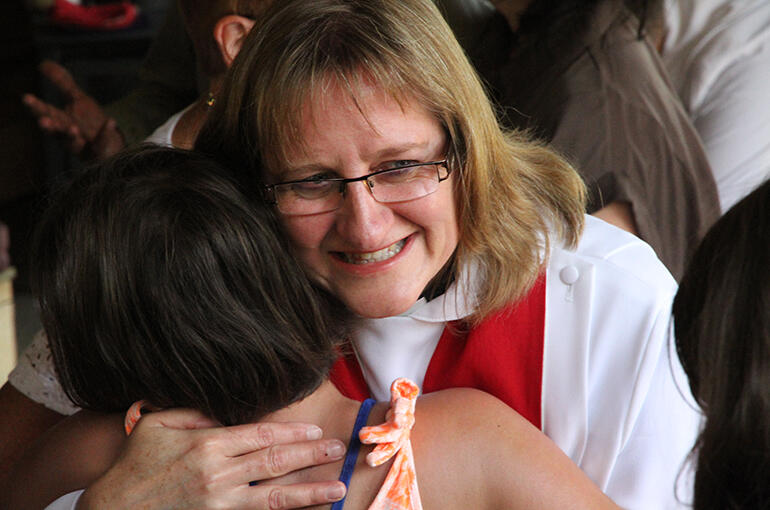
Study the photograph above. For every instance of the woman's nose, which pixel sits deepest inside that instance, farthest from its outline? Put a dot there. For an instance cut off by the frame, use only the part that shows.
(361, 220)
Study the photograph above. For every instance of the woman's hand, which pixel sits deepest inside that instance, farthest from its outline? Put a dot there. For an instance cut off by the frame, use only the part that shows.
(181, 459)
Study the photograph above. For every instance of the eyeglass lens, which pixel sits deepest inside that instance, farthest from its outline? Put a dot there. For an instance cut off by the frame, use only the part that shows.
(396, 185)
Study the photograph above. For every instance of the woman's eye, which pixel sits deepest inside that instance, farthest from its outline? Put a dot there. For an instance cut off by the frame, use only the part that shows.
(401, 174)
(399, 163)
(314, 186)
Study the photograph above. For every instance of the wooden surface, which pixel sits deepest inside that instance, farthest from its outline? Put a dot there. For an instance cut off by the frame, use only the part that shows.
(8, 352)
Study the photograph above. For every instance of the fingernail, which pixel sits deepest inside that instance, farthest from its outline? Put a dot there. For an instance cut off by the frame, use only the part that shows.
(335, 450)
(335, 493)
(313, 433)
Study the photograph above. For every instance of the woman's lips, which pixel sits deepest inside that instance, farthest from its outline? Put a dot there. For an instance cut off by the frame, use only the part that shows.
(372, 256)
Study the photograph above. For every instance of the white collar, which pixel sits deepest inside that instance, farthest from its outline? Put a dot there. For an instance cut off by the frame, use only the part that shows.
(457, 302)
(402, 346)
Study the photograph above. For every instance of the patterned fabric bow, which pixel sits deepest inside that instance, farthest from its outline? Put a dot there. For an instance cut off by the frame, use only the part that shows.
(133, 415)
(399, 490)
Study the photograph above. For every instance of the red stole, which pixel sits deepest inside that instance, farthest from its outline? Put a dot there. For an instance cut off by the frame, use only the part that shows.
(502, 356)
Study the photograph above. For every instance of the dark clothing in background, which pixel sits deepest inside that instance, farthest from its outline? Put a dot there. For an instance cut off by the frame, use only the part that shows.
(598, 92)
(167, 82)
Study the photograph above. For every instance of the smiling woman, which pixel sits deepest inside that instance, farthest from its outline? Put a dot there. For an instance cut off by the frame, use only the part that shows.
(495, 280)
(344, 100)
(377, 257)
(487, 276)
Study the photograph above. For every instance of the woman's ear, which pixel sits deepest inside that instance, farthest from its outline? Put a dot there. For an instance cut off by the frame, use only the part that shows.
(229, 33)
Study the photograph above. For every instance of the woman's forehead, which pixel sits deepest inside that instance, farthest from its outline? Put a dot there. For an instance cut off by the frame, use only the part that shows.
(372, 122)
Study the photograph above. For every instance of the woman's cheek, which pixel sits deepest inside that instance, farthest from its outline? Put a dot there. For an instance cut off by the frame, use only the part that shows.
(304, 232)
(306, 235)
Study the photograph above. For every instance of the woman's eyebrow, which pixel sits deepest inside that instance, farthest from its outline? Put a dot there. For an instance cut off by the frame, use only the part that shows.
(398, 150)
(300, 172)
(292, 173)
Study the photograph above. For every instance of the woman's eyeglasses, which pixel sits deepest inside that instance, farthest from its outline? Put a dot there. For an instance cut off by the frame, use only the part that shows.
(320, 194)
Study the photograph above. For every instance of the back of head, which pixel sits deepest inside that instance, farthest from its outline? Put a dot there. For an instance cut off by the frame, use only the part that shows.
(722, 326)
(508, 191)
(158, 279)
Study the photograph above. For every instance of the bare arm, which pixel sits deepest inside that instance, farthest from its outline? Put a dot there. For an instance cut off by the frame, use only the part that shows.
(23, 421)
(619, 214)
(497, 458)
(68, 457)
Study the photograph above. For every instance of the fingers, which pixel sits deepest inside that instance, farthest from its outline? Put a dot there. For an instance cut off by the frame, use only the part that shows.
(180, 455)
(278, 460)
(61, 78)
(49, 117)
(244, 439)
(298, 496)
(186, 419)
(35, 105)
(108, 141)
(80, 109)
(55, 121)
(279, 497)
(257, 451)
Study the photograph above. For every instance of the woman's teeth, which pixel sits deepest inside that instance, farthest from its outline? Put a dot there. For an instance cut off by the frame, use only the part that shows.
(374, 256)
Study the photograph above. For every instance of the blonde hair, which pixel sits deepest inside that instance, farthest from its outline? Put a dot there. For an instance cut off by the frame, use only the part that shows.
(512, 195)
(200, 17)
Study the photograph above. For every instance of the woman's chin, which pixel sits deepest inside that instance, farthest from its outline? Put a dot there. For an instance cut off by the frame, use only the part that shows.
(380, 306)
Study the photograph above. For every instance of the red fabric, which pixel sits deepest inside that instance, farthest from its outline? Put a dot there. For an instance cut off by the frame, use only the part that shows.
(114, 16)
(347, 377)
(502, 356)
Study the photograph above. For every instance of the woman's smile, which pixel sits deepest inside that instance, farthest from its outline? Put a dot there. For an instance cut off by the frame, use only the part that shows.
(376, 257)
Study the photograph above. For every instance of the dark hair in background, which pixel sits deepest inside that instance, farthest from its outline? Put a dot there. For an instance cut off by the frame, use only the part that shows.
(158, 279)
(550, 23)
(722, 326)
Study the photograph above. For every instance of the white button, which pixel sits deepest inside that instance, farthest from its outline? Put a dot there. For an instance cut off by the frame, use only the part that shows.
(569, 275)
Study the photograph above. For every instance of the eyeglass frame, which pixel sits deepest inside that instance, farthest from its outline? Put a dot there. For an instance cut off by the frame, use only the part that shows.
(271, 198)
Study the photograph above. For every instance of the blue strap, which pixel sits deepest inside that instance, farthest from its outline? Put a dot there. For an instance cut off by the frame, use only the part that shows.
(355, 445)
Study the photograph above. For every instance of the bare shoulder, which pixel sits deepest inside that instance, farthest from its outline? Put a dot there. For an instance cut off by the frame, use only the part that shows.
(473, 451)
(455, 435)
(473, 414)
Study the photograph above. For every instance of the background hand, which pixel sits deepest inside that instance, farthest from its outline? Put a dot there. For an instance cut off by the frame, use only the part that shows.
(181, 459)
(88, 132)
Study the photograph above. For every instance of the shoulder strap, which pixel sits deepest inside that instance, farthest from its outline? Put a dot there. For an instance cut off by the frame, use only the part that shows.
(355, 445)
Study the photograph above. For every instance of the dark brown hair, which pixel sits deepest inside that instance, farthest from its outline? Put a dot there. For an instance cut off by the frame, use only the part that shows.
(722, 326)
(158, 279)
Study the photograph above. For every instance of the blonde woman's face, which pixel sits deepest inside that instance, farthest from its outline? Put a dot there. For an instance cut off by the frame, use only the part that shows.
(377, 258)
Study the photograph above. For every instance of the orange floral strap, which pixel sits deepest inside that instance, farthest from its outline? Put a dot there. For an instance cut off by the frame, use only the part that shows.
(399, 491)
